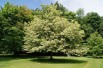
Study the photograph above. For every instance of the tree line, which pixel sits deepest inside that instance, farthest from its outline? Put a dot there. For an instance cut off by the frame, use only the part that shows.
(51, 29)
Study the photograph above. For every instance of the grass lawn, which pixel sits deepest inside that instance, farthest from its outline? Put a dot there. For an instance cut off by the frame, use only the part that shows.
(44, 62)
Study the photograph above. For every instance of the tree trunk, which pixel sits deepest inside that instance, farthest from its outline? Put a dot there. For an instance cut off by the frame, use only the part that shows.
(16, 53)
(51, 56)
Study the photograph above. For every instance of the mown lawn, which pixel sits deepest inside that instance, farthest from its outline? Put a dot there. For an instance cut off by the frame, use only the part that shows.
(44, 62)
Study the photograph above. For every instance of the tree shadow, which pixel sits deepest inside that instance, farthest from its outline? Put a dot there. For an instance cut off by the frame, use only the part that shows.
(13, 57)
(70, 61)
(41, 59)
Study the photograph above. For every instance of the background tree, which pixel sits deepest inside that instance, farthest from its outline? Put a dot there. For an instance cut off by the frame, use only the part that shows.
(95, 44)
(80, 15)
(65, 12)
(60, 7)
(91, 23)
(100, 30)
(70, 15)
(52, 33)
(11, 26)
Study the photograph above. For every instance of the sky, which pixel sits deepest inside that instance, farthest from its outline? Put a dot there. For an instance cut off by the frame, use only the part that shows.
(72, 5)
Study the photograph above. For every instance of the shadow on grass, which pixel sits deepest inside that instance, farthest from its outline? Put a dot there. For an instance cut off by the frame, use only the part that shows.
(40, 59)
(12, 57)
(44, 60)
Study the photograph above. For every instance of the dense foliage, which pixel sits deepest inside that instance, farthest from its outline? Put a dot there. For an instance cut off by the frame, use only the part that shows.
(95, 44)
(52, 33)
(52, 28)
(11, 27)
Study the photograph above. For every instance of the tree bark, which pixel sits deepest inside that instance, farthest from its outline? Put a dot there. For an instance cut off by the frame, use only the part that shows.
(51, 56)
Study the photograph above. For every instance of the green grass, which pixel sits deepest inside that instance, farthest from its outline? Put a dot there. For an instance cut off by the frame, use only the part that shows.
(44, 62)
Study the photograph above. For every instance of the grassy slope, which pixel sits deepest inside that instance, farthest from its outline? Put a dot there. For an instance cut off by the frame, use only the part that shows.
(58, 62)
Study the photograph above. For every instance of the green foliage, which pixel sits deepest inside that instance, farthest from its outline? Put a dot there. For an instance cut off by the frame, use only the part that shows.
(69, 15)
(11, 27)
(95, 44)
(93, 19)
(60, 7)
(62, 11)
(52, 33)
(100, 30)
(80, 15)
(91, 23)
(16, 13)
(54, 29)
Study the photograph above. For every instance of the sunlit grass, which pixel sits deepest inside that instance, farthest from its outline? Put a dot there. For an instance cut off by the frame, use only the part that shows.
(44, 62)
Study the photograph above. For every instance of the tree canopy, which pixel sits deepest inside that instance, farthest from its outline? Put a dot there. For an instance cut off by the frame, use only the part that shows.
(11, 27)
(53, 28)
(95, 44)
(52, 33)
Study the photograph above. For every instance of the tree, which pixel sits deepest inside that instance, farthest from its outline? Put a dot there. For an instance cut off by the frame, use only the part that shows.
(80, 15)
(93, 19)
(95, 44)
(60, 7)
(69, 15)
(100, 30)
(91, 23)
(12, 19)
(2, 24)
(64, 12)
(52, 33)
